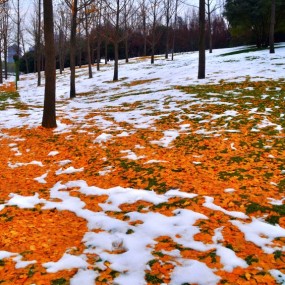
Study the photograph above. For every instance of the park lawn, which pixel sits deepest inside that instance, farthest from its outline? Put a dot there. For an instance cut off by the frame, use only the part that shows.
(155, 179)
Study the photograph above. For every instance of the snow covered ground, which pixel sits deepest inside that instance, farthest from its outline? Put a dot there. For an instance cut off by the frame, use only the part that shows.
(145, 95)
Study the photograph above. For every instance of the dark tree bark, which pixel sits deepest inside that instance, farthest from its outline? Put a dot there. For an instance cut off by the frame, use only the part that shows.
(116, 43)
(209, 26)
(62, 27)
(272, 24)
(167, 19)
(18, 40)
(144, 28)
(88, 43)
(152, 51)
(79, 49)
(144, 34)
(202, 55)
(106, 51)
(49, 115)
(126, 34)
(61, 52)
(153, 41)
(174, 30)
(5, 43)
(6, 56)
(155, 17)
(74, 10)
(98, 54)
(1, 73)
(39, 45)
(99, 38)
(116, 63)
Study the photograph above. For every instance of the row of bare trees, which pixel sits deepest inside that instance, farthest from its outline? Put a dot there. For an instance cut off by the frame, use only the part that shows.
(116, 8)
(108, 21)
(85, 25)
(117, 23)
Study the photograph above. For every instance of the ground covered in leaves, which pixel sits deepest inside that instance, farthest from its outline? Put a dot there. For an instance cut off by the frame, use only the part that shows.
(194, 197)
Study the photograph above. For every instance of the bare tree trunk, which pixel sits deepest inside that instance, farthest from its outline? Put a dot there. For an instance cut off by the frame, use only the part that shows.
(1, 72)
(98, 54)
(79, 51)
(60, 57)
(5, 42)
(98, 49)
(167, 29)
(106, 51)
(88, 44)
(272, 24)
(39, 45)
(174, 30)
(49, 114)
(210, 27)
(126, 34)
(89, 58)
(116, 63)
(152, 53)
(154, 35)
(116, 44)
(202, 56)
(18, 41)
(144, 30)
(73, 48)
(5, 56)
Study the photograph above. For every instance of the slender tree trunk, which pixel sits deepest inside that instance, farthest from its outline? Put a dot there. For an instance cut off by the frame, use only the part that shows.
(60, 52)
(1, 72)
(174, 30)
(18, 40)
(127, 48)
(73, 48)
(167, 43)
(202, 56)
(152, 53)
(210, 27)
(39, 45)
(153, 36)
(5, 56)
(144, 31)
(98, 54)
(89, 57)
(49, 114)
(167, 30)
(106, 51)
(116, 44)
(88, 45)
(272, 24)
(79, 54)
(116, 63)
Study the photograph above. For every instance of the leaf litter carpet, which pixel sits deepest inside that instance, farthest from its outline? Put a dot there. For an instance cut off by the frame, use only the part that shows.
(192, 192)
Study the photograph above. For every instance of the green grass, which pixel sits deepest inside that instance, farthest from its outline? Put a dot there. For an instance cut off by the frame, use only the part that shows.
(247, 50)
(7, 97)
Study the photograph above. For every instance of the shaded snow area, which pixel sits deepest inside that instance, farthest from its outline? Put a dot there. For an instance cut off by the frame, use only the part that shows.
(126, 241)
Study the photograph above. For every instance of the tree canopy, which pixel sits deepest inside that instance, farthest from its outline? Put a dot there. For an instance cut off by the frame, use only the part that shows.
(250, 20)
